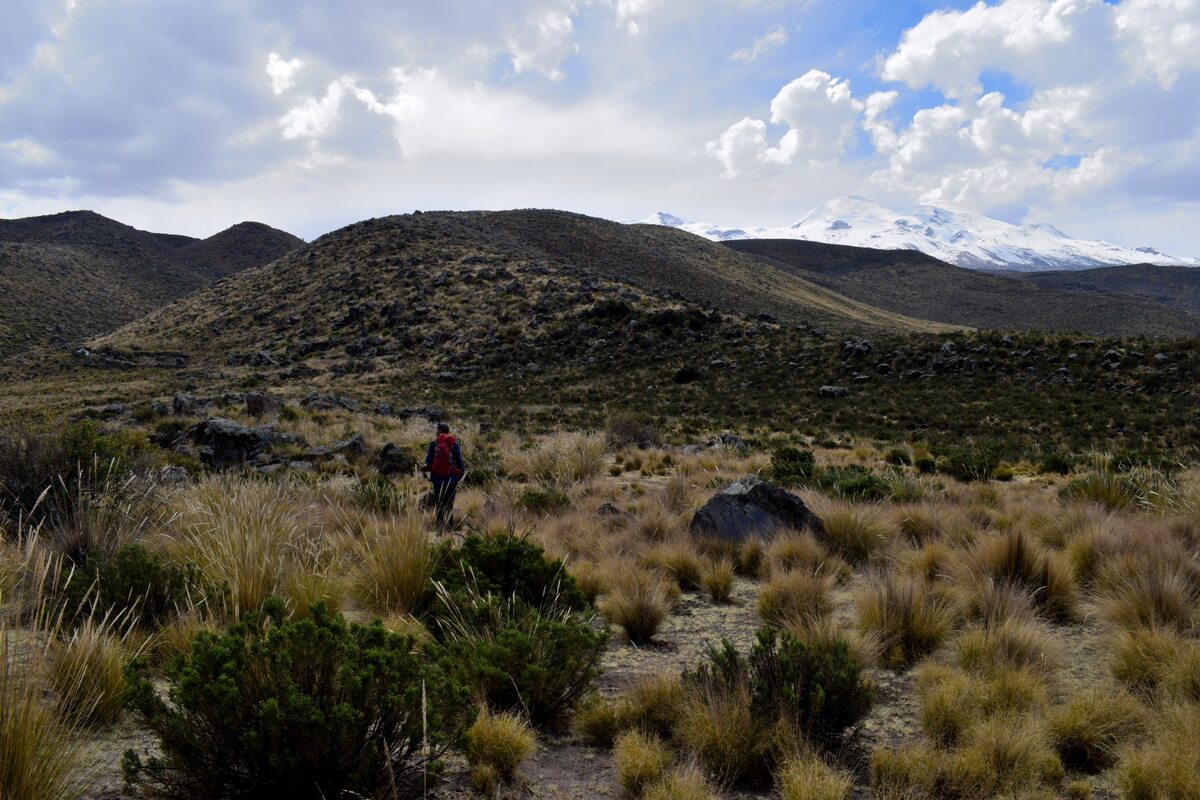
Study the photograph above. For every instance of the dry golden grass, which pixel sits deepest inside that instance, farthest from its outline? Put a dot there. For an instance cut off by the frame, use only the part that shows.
(721, 731)
(1167, 767)
(1011, 643)
(795, 594)
(1148, 594)
(1016, 559)
(789, 552)
(636, 600)
(908, 621)
(679, 560)
(1003, 754)
(395, 558)
(686, 782)
(652, 703)
(640, 760)
(86, 671)
(1093, 724)
(822, 631)
(856, 532)
(499, 741)
(718, 579)
(810, 778)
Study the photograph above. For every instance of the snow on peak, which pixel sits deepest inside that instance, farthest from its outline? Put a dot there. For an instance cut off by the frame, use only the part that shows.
(955, 235)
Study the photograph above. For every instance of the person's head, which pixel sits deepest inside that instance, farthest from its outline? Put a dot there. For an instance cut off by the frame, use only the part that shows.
(443, 427)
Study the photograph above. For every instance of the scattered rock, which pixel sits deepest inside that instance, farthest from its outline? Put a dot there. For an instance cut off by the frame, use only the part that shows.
(353, 448)
(394, 460)
(833, 392)
(750, 508)
(728, 441)
(184, 405)
(261, 404)
(223, 443)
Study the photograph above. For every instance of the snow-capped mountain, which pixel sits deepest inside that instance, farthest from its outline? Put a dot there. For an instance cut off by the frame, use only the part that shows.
(957, 236)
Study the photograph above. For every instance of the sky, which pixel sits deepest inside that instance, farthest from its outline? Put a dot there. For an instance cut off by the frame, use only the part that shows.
(188, 116)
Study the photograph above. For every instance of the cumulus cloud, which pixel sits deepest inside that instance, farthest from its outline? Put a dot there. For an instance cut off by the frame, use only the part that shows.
(544, 45)
(282, 72)
(773, 38)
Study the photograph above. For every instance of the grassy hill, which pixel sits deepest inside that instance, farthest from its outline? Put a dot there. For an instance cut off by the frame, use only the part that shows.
(917, 285)
(1176, 287)
(542, 319)
(68, 276)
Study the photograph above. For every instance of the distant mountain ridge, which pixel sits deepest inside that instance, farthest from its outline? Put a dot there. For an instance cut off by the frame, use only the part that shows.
(65, 277)
(956, 236)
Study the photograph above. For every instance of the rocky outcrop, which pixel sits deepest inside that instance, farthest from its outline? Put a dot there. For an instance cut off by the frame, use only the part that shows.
(222, 443)
(750, 508)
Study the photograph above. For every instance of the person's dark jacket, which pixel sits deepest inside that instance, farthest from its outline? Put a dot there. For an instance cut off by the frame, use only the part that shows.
(456, 458)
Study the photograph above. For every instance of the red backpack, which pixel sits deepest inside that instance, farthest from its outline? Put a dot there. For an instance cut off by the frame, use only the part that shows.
(443, 462)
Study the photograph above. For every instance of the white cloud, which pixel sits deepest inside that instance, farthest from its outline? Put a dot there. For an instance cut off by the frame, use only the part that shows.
(1161, 37)
(775, 37)
(545, 44)
(315, 116)
(820, 115)
(282, 72)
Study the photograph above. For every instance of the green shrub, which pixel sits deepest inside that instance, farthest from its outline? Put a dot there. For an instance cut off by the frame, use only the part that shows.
(537, 660)
(967, 463)
(145, 584)
(377, 494)
(543, 501)
(898, 457)
(816, 690)
(791, 466)
(310, 709)
(507, 565)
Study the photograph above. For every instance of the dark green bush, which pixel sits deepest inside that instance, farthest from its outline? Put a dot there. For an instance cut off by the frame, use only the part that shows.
(133, 580)
(969, 463)
(506, 566)
(538, 661)
(791, 466)
(1055, 462)
(543, 501)
(317, 708)
(378, 494)
(815, 690)
(898, 457)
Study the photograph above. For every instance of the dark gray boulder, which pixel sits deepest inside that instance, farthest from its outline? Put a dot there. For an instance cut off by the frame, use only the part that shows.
(353, 448)
(261, 404)
(833, 392)
(222, 443)
(750, 508)
(395, 460)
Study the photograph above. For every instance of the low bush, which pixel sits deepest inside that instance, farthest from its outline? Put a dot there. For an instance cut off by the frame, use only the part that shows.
(1089, 729)
(968, 463)
(336, 708)
(640, 760)
(499, 742)
(908, 621)
(638, 601)
(810, 778)
(626, 429)
(543, 501)
(539, 660)
(136, 584)
(507, 565)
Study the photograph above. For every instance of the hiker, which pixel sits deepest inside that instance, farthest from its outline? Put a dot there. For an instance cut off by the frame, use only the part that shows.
(444, 464)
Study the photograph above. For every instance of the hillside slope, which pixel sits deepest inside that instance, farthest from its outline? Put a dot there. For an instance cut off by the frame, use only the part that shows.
(68, 276)
(1177, 287)
(914, 284)
(460, 274)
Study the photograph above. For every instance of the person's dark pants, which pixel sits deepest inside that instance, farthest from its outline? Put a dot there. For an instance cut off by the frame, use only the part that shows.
(444, 489)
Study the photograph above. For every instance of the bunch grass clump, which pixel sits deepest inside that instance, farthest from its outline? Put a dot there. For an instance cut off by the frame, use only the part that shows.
(86, 670)
(1091, 727)
(640, 759)
(718, 579)
(908, 621)
(1168, 765)
(686, 782)
(856, 532)
(1016, 559)
(810, 778)
(638, 601)
(396, 562)
(794, 594)
(499, 742)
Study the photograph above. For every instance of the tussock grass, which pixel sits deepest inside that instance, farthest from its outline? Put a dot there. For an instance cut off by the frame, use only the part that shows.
(802, 552)
(640, 759)
(598, 721)
(720, 729)
(86, 671)
(906, 773)
(1016, 559)
(636, 600)
(907, 620)
(718, 579)
(499, 741)
(658, 524)
(653, 703)
(1011, 643)
(795, 594)
(856, 532)
(1168, 766)
(934, 562)
(810, 778)
(396, 562)
(686, 782)
(822, 631)
(1148, 594)
(565, 459)
(679, 560)
(1093, 724)
(1156, 663)
(1001, 755)
(254, 538)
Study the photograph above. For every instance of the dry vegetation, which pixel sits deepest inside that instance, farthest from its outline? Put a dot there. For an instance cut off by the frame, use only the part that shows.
(1020, 640)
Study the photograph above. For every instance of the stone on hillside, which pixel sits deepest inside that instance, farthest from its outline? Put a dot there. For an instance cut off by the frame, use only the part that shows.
(223, 443)
(261, 404)
(353, 448)
(184, 405)
(395, 460)
(750, 508)
(833, 392)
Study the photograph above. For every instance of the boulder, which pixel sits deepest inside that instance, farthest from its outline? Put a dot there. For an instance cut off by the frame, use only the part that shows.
(353, 448)
(261, 404)
(184, 405)
(749, 508)
(395, 460)
(832, 392)
(223, 443)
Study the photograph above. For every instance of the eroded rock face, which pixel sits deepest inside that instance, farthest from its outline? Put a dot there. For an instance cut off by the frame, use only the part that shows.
(750, 508)
(223, 443)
